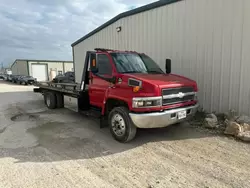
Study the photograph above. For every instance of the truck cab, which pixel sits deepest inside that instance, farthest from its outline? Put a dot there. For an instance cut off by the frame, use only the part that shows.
(131, 91)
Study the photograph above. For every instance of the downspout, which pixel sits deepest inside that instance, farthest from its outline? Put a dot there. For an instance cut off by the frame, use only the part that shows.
(74, 62)
(28, 70)
(63, 67)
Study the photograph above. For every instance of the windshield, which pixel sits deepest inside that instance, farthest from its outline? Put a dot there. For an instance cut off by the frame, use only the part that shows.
(135, 63)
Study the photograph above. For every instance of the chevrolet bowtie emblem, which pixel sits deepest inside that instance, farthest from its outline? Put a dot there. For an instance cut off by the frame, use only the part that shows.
(181, 95)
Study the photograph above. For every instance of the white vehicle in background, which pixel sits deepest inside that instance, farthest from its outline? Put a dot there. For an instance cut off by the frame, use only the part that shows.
(8, 72)
(8, 75)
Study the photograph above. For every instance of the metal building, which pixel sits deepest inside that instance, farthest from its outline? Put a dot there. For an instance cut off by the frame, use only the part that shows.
(207, 40)
(42, 70)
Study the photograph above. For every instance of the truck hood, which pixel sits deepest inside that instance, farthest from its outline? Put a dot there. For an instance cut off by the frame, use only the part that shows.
(164, 80)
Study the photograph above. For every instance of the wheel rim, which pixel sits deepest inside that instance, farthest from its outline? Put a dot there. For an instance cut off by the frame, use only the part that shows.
(118, 125)
(48, 100)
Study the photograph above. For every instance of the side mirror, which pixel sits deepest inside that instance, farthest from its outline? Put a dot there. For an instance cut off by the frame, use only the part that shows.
(168, 66)
(93, 63)
(113, 80)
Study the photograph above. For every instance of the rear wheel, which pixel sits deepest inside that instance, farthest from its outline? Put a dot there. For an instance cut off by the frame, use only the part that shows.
(121, 126)
(50, 100)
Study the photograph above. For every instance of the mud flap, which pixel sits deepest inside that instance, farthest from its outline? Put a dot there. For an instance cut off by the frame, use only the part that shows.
(37, 90)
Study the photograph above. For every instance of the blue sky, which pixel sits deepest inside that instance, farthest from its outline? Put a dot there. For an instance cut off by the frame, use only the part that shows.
(45, 29)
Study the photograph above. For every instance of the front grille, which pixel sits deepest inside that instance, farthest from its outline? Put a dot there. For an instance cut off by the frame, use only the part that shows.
(177, 90)
(178, 100)
(174, 100)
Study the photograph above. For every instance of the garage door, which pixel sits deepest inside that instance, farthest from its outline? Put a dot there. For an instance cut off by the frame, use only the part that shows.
(40, 72)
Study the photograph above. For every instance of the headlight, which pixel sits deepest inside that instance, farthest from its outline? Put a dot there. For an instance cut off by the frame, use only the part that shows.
(146, 102)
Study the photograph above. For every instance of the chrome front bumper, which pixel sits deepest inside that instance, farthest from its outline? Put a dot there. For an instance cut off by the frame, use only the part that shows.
(161, 119)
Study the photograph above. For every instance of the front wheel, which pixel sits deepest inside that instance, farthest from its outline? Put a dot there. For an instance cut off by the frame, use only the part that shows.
(121, 126)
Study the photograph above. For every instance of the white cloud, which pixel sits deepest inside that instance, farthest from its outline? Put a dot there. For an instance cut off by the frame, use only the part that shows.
(45, 29)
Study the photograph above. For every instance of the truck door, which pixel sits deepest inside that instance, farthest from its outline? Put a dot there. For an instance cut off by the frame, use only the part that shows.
(98, 86)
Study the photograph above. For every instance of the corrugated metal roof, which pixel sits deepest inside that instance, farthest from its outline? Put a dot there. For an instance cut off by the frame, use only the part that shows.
(125, 14)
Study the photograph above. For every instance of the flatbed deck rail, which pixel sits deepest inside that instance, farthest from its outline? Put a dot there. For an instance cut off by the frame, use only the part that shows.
(72, 88)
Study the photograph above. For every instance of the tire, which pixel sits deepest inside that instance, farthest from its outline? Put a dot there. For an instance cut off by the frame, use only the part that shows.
(50, 100)
(59, 100)
(121, 115)
(26, 83)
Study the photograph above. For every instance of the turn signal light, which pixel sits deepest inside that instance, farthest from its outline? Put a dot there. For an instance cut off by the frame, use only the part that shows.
(93, 63)
(136, 89)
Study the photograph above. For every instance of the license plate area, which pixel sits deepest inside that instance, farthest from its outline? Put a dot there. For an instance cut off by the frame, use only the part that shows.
(182, 114)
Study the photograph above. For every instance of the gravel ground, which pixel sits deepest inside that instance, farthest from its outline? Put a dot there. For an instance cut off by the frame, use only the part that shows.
(60, 148)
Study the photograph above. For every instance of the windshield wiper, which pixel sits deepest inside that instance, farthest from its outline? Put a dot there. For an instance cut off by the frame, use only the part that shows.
(155, 71)
(131, 72)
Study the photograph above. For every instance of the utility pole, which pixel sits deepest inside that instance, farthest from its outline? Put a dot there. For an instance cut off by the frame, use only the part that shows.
(2, 70)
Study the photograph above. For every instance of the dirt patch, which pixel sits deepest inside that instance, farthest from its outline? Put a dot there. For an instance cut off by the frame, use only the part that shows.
(198, 119)
(70, 139)
(2, 130)
(24, 117)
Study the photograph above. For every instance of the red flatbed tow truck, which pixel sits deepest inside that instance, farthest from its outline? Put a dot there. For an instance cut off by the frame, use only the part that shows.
(126, 90)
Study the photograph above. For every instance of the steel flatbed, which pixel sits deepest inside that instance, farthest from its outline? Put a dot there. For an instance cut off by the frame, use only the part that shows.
(66, 88)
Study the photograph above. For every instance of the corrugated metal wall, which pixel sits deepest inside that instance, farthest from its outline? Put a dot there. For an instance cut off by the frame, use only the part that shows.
(68, 67)
(207, 40)
(20, 68)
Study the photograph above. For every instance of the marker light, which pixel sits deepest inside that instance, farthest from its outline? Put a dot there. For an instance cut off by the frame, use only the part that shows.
(136, 89)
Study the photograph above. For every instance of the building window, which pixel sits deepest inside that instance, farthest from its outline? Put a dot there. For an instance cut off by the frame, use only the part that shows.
(59, 72)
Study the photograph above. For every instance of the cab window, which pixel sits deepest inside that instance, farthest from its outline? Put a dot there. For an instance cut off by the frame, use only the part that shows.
(104, 65)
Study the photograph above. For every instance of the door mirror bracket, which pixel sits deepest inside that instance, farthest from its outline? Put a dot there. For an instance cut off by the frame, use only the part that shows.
(168, 66)
(111, 80)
